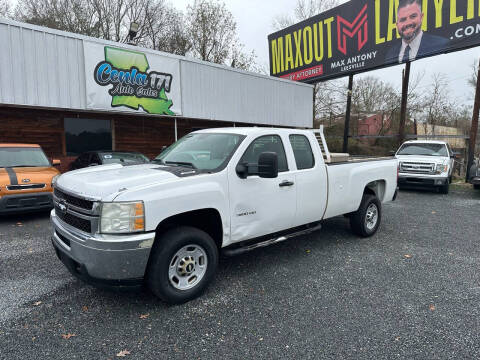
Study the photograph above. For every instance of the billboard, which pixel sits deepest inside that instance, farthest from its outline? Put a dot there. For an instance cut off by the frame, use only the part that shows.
(363, 35)
(127, 80)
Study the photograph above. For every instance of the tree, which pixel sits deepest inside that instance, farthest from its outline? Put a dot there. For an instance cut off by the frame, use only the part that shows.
(160, 24)
(437, 103)
(473, 78)
(73, 15)
(212, 34)
(4, 8)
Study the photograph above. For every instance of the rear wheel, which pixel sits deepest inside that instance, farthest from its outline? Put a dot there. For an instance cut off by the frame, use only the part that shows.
(183, 262)
(366, 220)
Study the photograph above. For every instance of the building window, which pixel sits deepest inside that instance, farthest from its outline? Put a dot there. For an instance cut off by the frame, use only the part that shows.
(83, 135)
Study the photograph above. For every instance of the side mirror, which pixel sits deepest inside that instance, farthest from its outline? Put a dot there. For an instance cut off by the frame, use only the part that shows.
(242, 170)
(56, 162)
(392, 153)
(268, 165)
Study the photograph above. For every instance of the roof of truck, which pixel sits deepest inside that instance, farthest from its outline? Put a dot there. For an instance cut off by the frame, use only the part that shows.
(425, 142)
(20, 145)
(249, 130)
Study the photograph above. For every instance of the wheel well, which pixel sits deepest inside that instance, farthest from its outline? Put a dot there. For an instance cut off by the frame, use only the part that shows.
(208, 220)
(376, 188)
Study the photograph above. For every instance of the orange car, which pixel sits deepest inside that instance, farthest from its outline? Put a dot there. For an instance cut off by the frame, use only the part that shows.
(26, 177)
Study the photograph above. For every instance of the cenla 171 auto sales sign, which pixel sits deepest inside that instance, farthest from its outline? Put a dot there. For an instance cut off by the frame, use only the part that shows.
(362, 35)
(128, 80)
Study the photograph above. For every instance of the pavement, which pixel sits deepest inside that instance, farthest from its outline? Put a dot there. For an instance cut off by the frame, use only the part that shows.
(411, 291)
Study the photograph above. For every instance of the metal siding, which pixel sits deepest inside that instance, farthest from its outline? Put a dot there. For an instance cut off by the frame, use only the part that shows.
(41, 69)
(6, 95)
(213, 93)
(16, 63)
(45, 67)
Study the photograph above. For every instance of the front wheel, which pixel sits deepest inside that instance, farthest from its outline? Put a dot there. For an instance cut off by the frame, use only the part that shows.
(183, 262)
(444, 188)
(366, 220)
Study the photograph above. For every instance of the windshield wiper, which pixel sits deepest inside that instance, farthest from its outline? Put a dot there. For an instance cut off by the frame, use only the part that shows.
(181, 163)
(159, 161)
(23, 166)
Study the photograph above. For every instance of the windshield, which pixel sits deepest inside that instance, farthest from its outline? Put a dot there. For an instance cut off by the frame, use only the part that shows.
(201, 151)
(22, 157)
(123, 158)
(423, 149)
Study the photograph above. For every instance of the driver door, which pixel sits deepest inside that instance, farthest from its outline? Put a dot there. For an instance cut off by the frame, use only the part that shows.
(260, 206)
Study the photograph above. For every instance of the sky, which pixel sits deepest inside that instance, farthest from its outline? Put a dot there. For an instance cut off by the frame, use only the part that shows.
(254, 24)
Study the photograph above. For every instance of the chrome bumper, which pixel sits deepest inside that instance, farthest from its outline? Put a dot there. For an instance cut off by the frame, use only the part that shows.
(102, 259)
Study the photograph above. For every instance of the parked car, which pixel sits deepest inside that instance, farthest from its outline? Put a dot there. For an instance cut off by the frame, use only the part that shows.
(26, 177)
(425, 163)
(475, 174)
(230, 190)
(93, 158)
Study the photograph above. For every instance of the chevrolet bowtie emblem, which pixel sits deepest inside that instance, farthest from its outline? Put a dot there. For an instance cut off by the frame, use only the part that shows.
(26, 180)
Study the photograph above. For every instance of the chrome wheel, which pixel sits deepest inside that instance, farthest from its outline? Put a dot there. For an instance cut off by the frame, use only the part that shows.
(372, 217)
(187, 267)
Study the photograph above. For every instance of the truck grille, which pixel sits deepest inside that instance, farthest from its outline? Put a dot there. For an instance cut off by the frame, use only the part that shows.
(417, 168)
(73, 200)
(73, 220)
(25, 187)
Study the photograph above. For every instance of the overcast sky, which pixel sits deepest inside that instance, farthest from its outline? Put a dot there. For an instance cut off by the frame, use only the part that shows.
(254, 22)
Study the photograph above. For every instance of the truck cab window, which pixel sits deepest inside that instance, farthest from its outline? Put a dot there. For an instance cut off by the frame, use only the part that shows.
(302, 152)
(268, 143)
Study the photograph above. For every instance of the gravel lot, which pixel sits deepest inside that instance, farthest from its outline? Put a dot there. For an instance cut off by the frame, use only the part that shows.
(411, 291)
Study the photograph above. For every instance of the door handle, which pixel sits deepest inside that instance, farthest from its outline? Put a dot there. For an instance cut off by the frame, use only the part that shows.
(286, 183)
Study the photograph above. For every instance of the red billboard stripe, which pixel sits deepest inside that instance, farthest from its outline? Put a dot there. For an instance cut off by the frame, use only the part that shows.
(305, 73)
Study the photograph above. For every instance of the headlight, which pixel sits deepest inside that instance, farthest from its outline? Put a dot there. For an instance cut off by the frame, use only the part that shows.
(54, 180)
(122, 217)
(441, 169)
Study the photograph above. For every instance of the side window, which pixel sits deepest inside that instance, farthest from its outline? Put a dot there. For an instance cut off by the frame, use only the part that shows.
(271, 143)
(83, 159)
(302, 152)
(95, 159)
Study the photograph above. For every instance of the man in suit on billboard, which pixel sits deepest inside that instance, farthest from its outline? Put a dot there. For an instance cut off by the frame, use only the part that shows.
(415, 43)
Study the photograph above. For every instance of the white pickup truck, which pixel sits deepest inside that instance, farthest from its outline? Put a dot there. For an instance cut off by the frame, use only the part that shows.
(219, 190)
(426, 163)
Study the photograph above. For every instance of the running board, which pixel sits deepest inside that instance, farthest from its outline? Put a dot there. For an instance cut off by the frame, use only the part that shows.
(243, 249)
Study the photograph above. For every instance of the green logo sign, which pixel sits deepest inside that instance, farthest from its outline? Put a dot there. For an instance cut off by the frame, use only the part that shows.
(133, 86)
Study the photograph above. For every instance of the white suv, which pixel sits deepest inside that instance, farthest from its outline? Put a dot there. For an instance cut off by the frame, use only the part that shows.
(425, 163)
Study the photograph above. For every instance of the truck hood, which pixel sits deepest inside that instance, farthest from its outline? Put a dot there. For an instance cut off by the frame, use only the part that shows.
(423, 159)
(101, 181)
(35, 175)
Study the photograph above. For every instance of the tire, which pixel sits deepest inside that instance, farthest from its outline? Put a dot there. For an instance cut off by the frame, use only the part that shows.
(476, 186)
(450, 179)
(175, 273)
(361, 222)
(444, 188)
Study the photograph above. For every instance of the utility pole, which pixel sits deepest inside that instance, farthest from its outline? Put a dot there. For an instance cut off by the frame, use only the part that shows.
(347, 114)
(474, 129)
(403, 109)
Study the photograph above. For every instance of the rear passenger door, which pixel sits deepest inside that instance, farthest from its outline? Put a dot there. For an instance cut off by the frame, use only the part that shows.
(310, 180)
